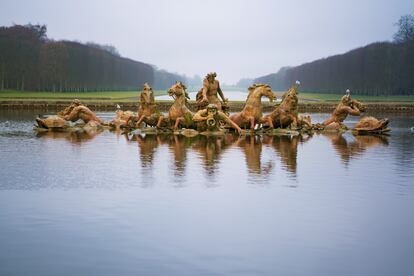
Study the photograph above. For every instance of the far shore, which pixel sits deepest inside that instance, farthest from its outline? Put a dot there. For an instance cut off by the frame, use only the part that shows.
(51, 106)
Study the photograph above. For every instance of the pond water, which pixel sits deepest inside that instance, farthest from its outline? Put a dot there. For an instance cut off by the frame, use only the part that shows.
(112, 204)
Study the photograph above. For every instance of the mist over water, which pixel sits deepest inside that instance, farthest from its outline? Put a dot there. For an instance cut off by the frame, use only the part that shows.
(107, 203)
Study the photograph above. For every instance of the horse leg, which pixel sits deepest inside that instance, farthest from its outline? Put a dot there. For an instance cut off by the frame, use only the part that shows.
(160, 119)
(236, 118)
(294, 123)
(267, 120)
(252, 122)
(178, 121)
(140, 120)
(127, 121)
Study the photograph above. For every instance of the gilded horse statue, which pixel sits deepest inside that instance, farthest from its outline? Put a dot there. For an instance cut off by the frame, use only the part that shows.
(286, 113)
(179, 114)
(147, 111)
(252, 112)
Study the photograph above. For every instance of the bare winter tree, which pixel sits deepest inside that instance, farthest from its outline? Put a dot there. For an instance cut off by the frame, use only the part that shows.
(405, 29)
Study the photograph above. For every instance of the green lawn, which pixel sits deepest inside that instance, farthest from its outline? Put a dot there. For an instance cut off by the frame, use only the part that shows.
(132, 96)
(123, 96)
(320, 97)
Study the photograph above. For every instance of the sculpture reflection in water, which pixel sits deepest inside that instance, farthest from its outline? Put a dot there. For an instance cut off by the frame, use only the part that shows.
(252, 146)
(354, 146)
(74, 137)
(286, 148)
(210, 150)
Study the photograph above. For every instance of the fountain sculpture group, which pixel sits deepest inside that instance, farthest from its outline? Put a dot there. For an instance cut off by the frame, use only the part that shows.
(212, 115)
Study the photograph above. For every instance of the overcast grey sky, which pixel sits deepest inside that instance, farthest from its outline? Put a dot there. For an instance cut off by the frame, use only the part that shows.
(234, 38)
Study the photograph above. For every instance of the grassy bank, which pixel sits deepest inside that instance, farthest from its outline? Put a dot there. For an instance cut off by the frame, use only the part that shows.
(321, 97)
(105, 96)
(132, 96)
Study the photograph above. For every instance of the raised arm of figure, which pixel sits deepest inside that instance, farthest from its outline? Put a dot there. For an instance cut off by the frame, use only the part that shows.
(220, 92)
(351, 111)
(205, 89)
(225, 118)
(201, 115)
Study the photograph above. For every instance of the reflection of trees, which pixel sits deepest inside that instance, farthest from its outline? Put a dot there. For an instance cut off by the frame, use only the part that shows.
(252, 148)
(74, 137)
(347, 150)
(209, 150)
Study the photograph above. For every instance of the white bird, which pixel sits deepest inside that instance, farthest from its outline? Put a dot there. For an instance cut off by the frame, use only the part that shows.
(298, 82)
(348, 92)
(118, 106)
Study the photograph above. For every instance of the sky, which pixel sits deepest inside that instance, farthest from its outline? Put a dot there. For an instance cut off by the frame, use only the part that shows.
(236, 39)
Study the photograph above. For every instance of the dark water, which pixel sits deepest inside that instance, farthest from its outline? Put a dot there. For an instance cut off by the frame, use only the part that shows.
(111, 204)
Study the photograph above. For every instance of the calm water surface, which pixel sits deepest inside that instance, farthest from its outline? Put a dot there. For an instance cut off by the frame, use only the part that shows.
(111, 204)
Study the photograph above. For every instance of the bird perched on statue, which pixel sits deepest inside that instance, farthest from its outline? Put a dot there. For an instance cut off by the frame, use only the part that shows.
(348, 92)
(297, 82)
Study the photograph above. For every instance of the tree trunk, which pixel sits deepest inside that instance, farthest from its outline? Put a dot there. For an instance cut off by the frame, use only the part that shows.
(2, 77)
(22, 86)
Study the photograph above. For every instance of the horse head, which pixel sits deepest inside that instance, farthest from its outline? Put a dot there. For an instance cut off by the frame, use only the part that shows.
(260, 90)
(178, 90)
(290, 98)
(147, 95)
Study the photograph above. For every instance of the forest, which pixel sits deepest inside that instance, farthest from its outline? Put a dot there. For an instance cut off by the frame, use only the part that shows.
(384, 68)
(30, 61)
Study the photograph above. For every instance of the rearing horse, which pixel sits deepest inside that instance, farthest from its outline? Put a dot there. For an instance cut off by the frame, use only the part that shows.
(252, 111)
(179, 114)
(147, 111)
(286, 113)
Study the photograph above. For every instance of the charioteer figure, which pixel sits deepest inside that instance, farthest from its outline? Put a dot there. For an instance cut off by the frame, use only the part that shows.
(209, 94)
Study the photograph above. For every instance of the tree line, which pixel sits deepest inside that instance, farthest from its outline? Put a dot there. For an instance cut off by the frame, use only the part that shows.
(383, 68)
(377, 69)
(32, 62)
